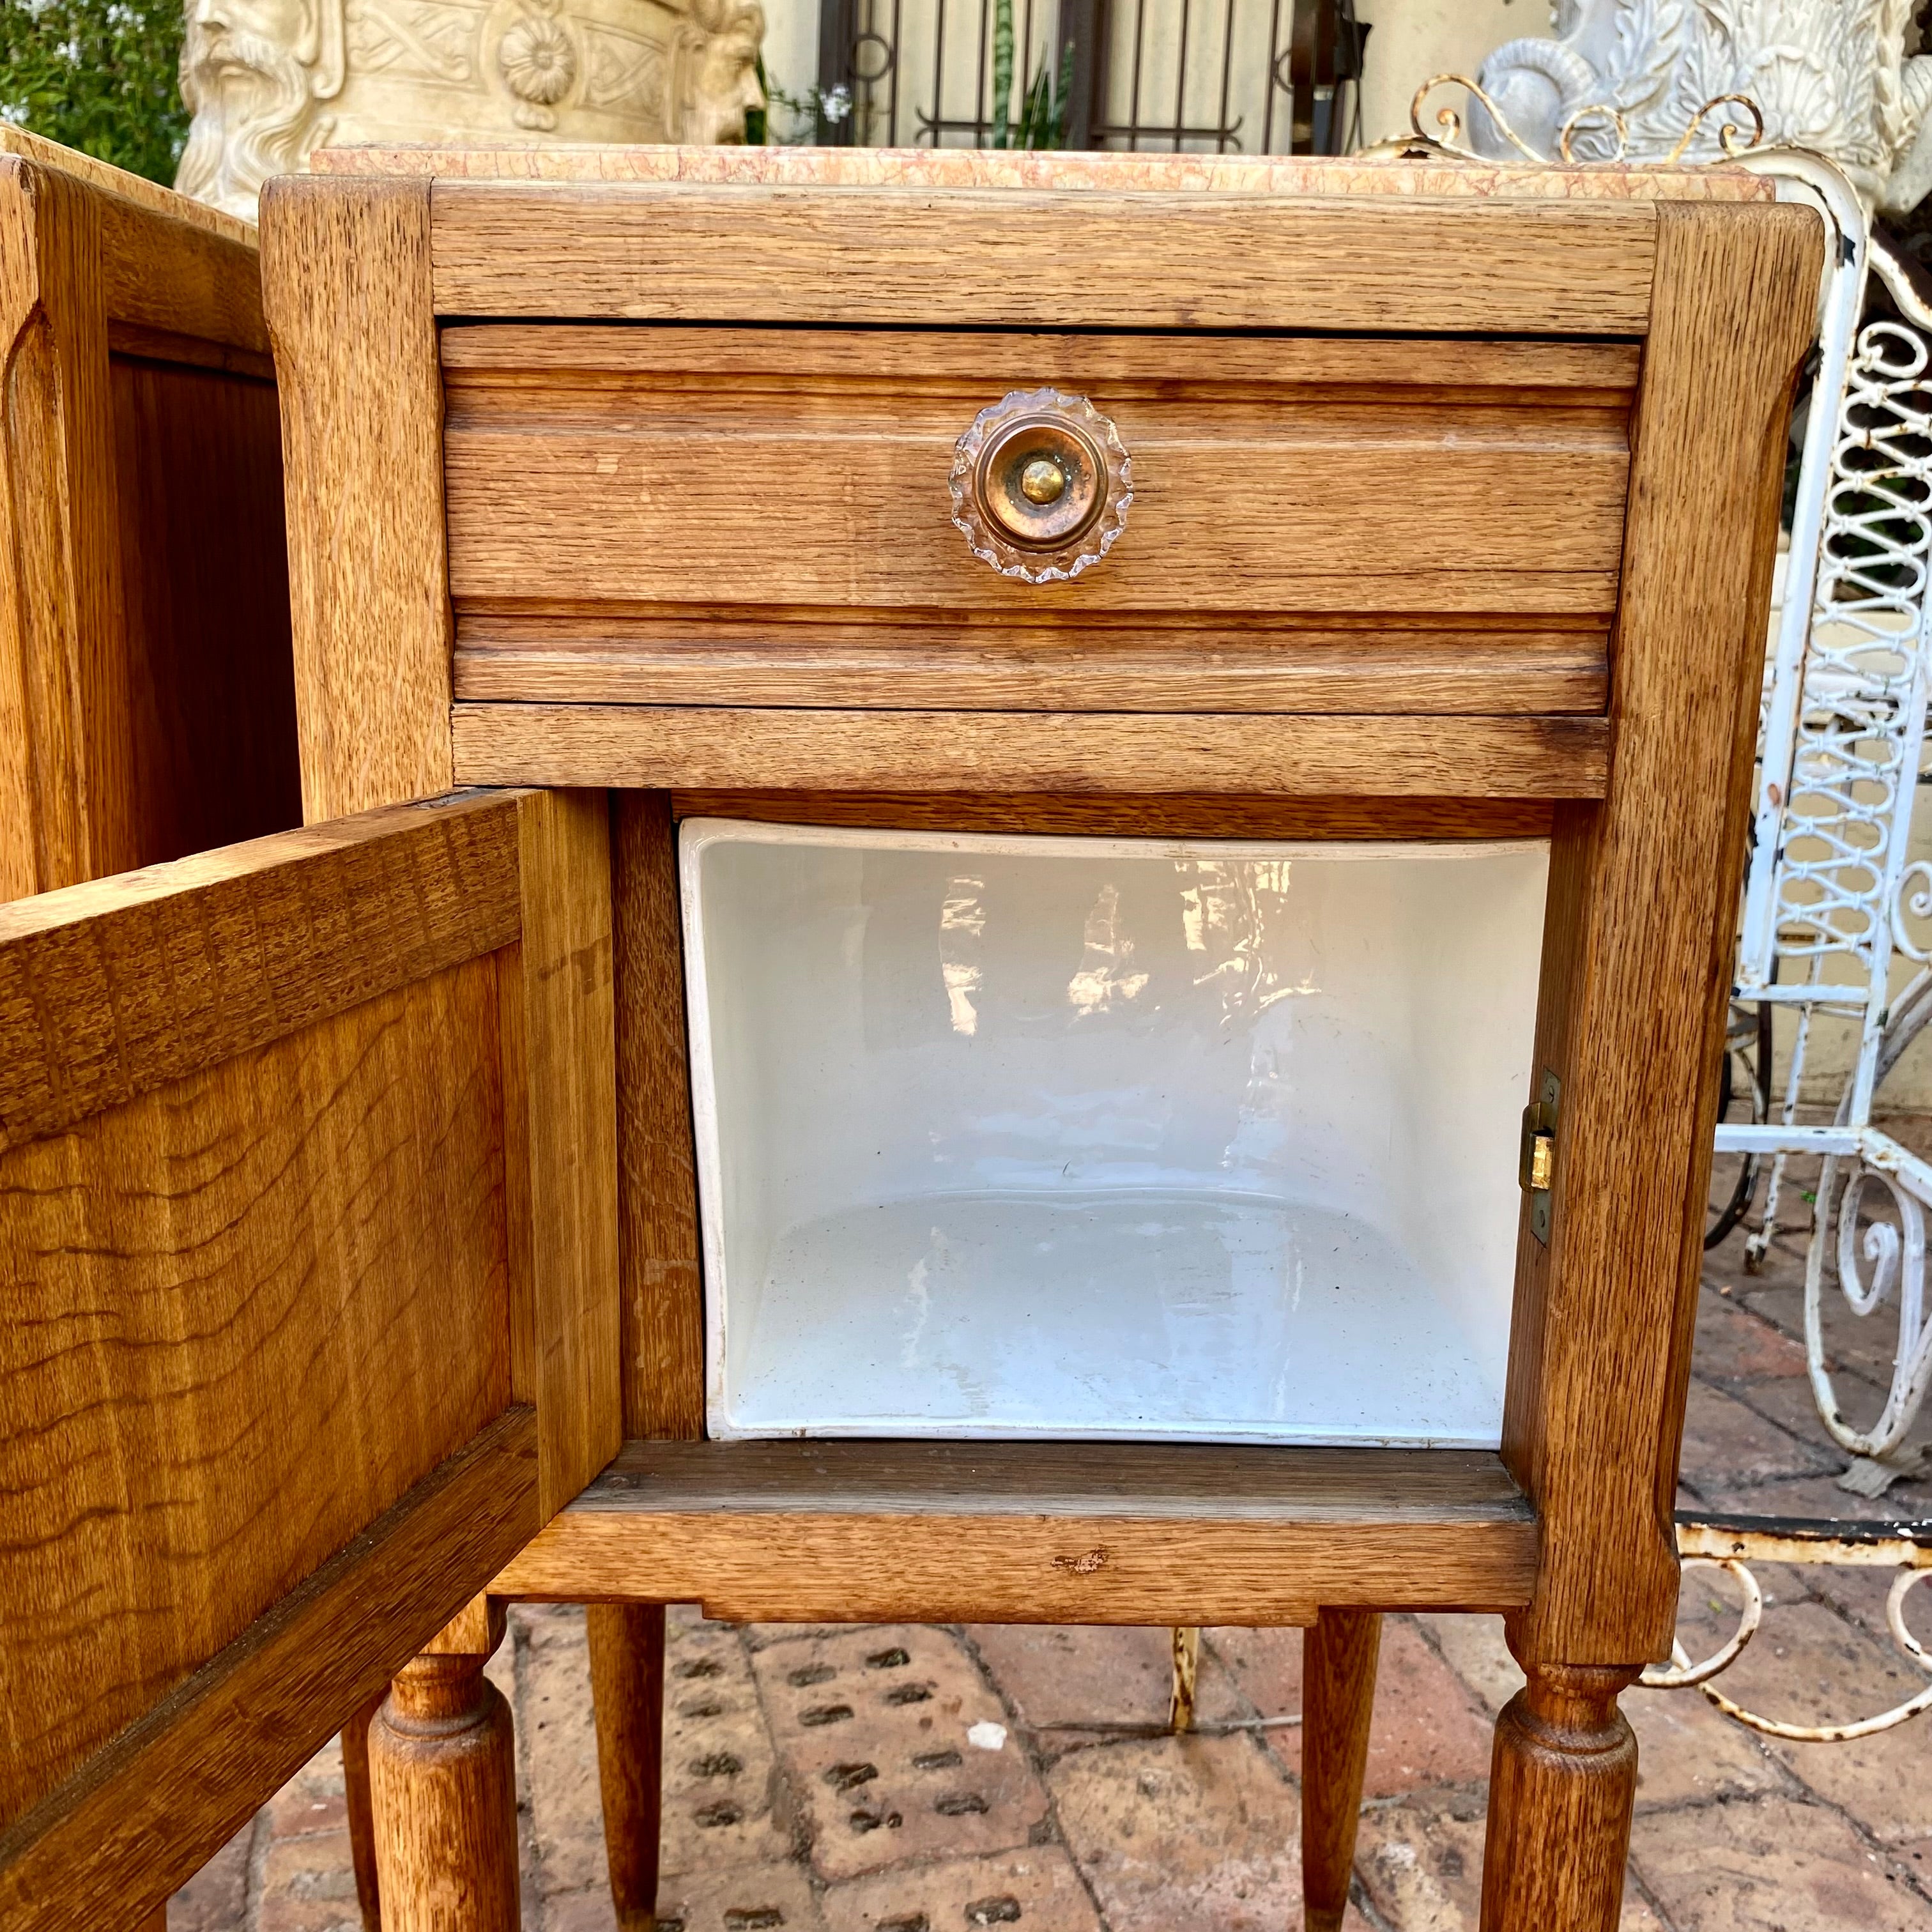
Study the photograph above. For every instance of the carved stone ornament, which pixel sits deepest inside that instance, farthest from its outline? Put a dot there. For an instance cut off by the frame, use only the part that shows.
(267, 82)
(1830, 75)
(1041, 483)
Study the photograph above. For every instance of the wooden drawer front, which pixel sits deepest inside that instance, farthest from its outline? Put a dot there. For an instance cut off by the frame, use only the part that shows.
(656, 514)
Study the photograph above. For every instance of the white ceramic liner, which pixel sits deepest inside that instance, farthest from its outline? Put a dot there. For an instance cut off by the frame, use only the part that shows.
(1095, 1137)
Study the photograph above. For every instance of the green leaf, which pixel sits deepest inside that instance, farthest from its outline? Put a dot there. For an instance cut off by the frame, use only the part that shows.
(101, 76)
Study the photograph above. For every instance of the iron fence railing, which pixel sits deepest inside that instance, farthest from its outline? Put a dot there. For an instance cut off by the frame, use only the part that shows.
(1222, 77)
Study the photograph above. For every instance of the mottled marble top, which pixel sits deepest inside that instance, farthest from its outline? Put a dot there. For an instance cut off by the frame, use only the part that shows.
(1430, 176)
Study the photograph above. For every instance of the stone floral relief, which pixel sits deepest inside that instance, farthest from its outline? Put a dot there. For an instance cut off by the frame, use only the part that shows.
(537, 57)
(1831, 75)
(269, 81)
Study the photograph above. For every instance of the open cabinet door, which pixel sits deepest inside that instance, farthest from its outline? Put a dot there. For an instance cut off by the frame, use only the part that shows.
(308, 1308)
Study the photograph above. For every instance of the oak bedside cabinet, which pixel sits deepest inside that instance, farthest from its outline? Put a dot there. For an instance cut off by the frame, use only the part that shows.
(1015, 908)
(147, 707)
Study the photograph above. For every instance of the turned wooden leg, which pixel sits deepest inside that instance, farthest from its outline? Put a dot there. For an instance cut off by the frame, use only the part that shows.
(627, 1683)
(1338, 1697)
(361, 1816)
(1561, 1784)
(442, 1786)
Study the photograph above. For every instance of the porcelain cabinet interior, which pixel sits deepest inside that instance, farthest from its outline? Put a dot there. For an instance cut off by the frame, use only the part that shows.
(1070, 1137)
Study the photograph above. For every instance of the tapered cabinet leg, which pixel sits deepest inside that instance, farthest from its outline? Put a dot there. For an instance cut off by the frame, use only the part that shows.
(362, 1813)
(627, 1682)
(1561, 1785)
(443, 1786)
(1338, 1695)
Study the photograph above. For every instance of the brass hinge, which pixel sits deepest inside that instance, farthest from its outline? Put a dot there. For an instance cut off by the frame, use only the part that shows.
(1536, 1171)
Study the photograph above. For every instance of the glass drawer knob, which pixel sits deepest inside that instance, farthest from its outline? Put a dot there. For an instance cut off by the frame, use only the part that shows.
(1041, 482)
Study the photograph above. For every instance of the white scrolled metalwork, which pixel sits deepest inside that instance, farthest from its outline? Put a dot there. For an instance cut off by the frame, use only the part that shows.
(1914, 903)
(1733, 1549)
(1680, 1674)
(1831, 76)
(1877, 1263)
(1593, 133)
(1832, 894)
(1862, 1727)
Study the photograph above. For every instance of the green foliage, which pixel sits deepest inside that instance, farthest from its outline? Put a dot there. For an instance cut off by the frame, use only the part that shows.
(1002, 69)
(97, 75)
(1042, 121)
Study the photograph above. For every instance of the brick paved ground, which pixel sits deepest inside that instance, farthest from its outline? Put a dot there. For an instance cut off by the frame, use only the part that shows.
(987, 1776)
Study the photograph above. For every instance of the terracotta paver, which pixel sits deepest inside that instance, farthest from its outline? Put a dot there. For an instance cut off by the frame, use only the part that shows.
(828, 1779)
(882, 1730)
(1776, 1862)
(1173, 1832)
(1039, 1888)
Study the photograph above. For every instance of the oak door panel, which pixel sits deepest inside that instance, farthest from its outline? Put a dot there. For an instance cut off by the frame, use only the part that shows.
(266, 1299)
(308, 1241)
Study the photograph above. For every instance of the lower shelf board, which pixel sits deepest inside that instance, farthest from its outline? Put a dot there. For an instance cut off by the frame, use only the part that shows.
(823, 1531)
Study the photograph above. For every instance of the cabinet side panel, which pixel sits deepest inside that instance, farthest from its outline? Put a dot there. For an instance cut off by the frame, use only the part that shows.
(347, 284)
(67, 803)
(249, 1308)
(1639, 940)
(657, 1180)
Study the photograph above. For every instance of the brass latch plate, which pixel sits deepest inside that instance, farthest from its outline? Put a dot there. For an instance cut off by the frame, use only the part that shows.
(1537, 1171)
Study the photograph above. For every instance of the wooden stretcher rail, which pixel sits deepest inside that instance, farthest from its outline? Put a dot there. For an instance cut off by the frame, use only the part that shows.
(1037, 1532)
(1478, 671)
(665, 747)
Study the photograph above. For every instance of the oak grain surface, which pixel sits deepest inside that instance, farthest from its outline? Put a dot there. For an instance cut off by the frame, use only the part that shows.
(204, 570)
(663, 746)
(346, 281)
(68, 804)
(307, 1181)
(144, 1814)
(110, 988)
(944, 661)
(264, 1299)
(663, 1292)
(443, 1786)
(1126, 816)
(694, 252)
(1338, 1676)
(1639, 939)
(649, 526)
(1035, 1531)
(561, 1107)
(146, 707)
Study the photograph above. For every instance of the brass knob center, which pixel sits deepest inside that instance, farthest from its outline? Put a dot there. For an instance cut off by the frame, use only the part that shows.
(1043, 481)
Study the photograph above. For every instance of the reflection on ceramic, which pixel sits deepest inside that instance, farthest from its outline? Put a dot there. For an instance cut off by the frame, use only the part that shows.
(1032, 1136)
